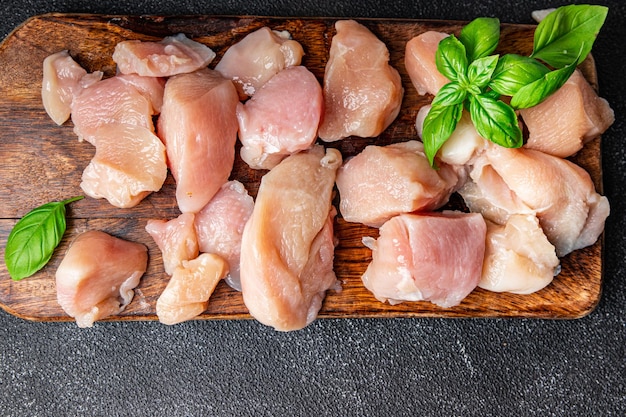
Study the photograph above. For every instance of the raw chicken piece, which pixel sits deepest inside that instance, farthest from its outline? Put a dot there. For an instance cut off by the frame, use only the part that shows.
(568, 119)
(436, 257)
(281, 118)
(128, 165)
(175, 238)
(287, 248)
(173, 55)
(219, 226)
(97, 276)
(525, 181)
(63, 78)
(518, 257)
(259, 56)
(362, 92)
(419, 61)
(129, 99)
(188, 291)
(462, 146)
(198, 125)
(383, 181)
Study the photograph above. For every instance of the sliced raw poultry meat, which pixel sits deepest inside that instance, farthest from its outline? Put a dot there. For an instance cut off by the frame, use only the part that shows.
(175, 238)
(129, 99)
(171, 56)
(420, 64)
(436, 257)
(518, 256)
(384, 181)
(525, 181)
(97, 276)
(198, 125)
(63, 79)
(362, 92)
(256, 58)
(281, 118)
(188, 291)
(287, 247)
(128, 165)
(219, 226)
(565, 121)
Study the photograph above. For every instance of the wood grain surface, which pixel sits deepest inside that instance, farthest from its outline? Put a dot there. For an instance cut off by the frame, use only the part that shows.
(43, 162)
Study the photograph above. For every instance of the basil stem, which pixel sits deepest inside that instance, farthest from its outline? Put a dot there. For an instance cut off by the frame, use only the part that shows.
(34, 238)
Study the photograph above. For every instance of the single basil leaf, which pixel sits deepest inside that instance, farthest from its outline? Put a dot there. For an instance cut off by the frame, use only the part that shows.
(449, 94)
(439, 124)
(480, 37)
(515, 71)
(496, 121)
(34, 237)
(450, 58)
(566, 32)
(480, 71)
(534, 93)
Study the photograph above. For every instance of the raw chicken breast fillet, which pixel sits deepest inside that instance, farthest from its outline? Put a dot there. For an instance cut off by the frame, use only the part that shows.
(257, 57)
(63, 79)
(198, 125)
(172, 55)
(569, 118)
(436, 257)
(420, 64)
(97, 276)
(175, 238)
(524, 181)
(384, 181)
(188, 291)
(281, 118)
(362, 92)
(219, 226)
(287, 248)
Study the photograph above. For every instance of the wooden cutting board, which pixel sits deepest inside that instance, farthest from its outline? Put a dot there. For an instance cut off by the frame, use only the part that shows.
(43, 162)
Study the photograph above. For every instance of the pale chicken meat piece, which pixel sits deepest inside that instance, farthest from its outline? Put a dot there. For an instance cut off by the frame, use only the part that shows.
(287, 248)
(256, 58)
(420, 64)
(384, 181)
(189, 289)
(63, 78)
(170, 56)
(524, 181)
(436, 257)
(122, 99)
(281, 118)
(362, 91)
(563, 123)
(128, 165)
(97, 276)
(176, 239)
(518, 257)
(198, 125)
(219, 226)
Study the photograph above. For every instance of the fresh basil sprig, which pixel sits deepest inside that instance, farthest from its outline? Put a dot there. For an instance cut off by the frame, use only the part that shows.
(479, 80)
(34, 237)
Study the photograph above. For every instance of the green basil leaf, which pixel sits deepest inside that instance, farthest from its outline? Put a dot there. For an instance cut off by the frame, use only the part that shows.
(480, 71)
(534, 93)
(567, 34)
(449, 94)
(480, 37)
(450, 58)
(496, 121)
(515, 71)
(439, 124)
(34, 237)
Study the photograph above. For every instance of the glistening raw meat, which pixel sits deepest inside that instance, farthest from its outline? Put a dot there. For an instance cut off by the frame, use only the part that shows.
(419, 60)
(176, 238)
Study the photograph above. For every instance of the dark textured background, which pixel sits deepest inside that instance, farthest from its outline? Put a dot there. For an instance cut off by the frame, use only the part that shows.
(431, 367)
